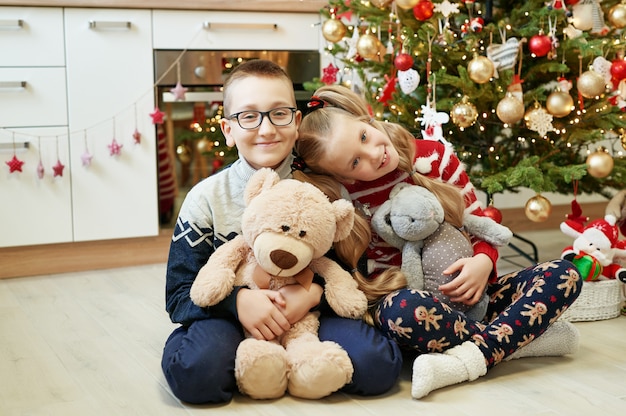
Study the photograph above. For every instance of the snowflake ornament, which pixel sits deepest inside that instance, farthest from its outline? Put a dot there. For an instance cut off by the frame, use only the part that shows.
(540, 120)
(330, 74)
(446, 8)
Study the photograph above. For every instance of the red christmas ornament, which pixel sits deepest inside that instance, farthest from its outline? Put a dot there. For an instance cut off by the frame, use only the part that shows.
(540, 44)
(403, 62)
(157, 116)
(137, 137)
(423, 10)
(330, 74)
(58, 168)
(15, 165)
(618, 70)
(493, 213)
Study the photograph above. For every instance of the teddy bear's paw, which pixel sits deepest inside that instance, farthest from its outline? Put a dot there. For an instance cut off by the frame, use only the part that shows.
(209, 290)
(261, 369)
(317, 369)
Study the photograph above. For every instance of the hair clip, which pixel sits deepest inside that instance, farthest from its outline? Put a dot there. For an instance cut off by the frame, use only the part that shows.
(314, 104)
(298, 164)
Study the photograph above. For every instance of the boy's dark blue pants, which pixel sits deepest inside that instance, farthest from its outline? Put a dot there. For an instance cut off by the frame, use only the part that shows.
(198, 360)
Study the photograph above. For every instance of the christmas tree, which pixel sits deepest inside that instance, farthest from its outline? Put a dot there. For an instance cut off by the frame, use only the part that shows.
(529, 94)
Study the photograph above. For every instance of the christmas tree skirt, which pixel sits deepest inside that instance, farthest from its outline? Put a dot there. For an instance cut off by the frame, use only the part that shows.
(598, 300)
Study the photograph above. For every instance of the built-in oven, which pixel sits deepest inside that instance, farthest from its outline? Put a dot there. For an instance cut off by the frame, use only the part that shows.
(191, 145)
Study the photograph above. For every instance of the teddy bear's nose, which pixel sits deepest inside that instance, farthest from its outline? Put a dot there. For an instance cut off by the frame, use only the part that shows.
(283, 259)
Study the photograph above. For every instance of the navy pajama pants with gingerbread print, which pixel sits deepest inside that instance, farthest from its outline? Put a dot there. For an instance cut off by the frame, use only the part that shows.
(522, 305)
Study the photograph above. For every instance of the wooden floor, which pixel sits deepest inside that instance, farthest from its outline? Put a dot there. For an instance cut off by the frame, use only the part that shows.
(89, 343)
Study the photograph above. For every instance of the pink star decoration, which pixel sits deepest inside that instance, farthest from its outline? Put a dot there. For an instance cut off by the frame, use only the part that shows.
(86, 158)
(157, 116)
(58, 168)
(115, 149)
(40, 170)
(179, 92)
(330, 74)
(15, 165)
(137, 136)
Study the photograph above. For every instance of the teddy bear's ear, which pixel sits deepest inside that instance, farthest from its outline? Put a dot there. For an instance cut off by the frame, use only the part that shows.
(262, 180)
(344, 218)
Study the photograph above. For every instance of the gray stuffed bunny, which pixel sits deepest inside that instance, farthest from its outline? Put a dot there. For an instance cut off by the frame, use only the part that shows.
(412, 220)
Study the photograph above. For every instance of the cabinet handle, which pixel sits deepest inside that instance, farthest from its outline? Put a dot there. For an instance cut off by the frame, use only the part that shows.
(95, 24)
(235, 26)
(12, 84)
(14, 146)
(11, 24)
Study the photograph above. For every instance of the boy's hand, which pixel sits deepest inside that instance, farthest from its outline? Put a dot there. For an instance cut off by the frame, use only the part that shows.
(299, 300)
(470, 284)
(259, 313)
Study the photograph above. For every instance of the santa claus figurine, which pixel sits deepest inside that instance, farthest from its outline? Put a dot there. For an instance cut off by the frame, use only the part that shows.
(597, 251)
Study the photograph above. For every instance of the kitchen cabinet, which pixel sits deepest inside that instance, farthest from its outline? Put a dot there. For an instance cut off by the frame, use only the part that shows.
(218, 30)
(110, 95)
(72, 81)
(33, 127)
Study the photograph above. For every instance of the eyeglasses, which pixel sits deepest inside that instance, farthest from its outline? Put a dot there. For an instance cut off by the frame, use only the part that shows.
(250, 119)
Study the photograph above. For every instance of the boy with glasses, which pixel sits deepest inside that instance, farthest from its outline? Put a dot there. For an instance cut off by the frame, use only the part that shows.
(199, 356)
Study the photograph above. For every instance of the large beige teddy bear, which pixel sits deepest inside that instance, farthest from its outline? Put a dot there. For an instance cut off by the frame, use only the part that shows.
(287, 228)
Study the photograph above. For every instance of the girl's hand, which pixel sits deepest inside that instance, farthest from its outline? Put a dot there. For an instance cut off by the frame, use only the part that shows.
(259, 313)
(298, 300)
(471, 282)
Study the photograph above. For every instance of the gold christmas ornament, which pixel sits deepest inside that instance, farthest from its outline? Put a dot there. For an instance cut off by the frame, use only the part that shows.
(183, 154)
(203, 145)
(510, 110)
(333, 30)
(464, 114)
(538, 208)
(591, 84)
(381, 3)
(559, 103)
(406, 4)
(623, 140)
(480, 69)
(617, 15)
(369, 46)
(600, 163)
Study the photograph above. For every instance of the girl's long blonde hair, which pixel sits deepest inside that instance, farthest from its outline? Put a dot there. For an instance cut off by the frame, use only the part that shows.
(339, 101)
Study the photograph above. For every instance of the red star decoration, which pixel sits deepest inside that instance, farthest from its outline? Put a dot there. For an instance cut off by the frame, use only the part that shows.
(137, 136)
(179, 92)
(115, 149)
(330, 74)
(157, 116)
(40, 170)
(15, 165)
(58, 168)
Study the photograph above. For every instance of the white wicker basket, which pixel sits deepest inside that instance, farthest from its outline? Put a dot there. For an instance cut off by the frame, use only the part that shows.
(598, 300)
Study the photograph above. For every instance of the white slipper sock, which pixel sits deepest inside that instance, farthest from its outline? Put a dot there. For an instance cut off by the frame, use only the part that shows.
(464, 362)
(560, 338)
